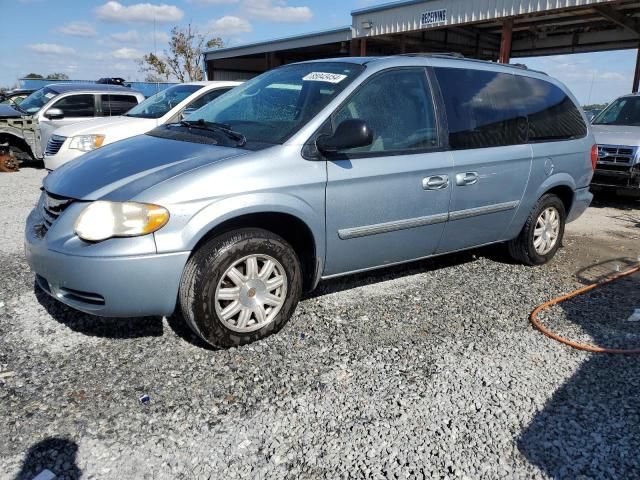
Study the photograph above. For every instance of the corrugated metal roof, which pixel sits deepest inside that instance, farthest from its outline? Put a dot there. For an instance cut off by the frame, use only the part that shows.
(406, 16)
(294, 41)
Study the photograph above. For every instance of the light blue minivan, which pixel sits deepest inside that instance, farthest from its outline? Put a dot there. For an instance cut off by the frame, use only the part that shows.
(312, 171)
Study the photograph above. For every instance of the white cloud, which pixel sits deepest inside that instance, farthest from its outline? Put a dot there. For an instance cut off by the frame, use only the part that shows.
(206, 3)
(78, 29)
(276, 11)
(50, 49)
(229, 25)
(127, 53)
(159, 37)
(140, 12)
(131, 36)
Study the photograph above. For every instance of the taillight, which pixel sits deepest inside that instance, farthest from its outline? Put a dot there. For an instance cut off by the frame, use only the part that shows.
(594, 156)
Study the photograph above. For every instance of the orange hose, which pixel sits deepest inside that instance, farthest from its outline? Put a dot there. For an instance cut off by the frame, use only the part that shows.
(582, 346)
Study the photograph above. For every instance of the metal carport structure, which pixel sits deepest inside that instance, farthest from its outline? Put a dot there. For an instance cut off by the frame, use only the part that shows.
(496, 30)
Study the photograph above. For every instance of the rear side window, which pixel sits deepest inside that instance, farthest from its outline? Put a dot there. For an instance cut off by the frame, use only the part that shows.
(117, 104)
(82, 105)
(206, 98)
(398, 108)
(552, 115)
(482, 108)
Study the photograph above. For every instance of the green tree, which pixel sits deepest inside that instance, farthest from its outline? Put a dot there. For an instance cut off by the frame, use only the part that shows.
(183, 59)
(57, 76)
(33, 75)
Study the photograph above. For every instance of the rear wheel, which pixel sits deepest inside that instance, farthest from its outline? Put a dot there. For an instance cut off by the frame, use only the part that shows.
(240, 287)
(542, 234)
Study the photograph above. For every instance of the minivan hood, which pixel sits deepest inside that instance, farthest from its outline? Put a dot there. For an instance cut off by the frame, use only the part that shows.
(616, 135)
(122, 170)
(7, 111)
(121, 126)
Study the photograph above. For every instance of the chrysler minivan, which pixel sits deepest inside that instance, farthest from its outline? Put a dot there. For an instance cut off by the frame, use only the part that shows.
(308, 172)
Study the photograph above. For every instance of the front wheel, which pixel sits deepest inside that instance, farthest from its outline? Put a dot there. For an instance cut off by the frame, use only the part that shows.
(240, 287)
(542, 234)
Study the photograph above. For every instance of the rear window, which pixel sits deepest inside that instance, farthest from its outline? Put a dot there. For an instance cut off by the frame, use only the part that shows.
(481, 108)
(491, 109)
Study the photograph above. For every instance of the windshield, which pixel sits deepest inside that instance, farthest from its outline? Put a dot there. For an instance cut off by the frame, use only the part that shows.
(273, 106)
(623, 111)
(159, 104)
(37, 100)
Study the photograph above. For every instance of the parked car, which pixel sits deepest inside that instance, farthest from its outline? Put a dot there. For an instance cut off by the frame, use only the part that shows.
(28, 126)
(617, 132)
(167, 106)
(592, 113)
(307, 172)
(15, 96)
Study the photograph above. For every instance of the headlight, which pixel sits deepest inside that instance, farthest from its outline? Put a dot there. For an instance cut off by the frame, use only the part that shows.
(102, 220)
(86, 143)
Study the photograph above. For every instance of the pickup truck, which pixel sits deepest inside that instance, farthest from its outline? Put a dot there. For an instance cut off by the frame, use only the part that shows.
(617, 133)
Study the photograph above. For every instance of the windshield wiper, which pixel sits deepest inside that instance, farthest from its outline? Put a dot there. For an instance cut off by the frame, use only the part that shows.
(216, 127)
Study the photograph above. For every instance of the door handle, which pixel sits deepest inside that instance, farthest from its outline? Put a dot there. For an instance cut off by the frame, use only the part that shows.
(435, 182)
(466, 178)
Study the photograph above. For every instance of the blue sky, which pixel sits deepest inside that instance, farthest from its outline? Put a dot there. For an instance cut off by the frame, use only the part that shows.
(88, 39)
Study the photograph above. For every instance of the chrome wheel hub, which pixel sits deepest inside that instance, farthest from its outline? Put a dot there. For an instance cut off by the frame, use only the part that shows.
(251, 293)
(545, 235)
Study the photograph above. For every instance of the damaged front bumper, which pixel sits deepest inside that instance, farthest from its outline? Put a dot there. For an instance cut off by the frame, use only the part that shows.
(25, 128)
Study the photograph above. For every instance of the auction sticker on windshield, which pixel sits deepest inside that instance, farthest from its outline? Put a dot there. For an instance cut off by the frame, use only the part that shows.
(324, 77)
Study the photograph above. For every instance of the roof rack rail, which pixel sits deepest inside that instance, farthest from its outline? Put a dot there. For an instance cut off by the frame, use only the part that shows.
(433, 54)
(459, 56)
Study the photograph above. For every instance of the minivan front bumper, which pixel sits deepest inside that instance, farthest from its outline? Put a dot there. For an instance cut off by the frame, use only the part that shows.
(114, 286)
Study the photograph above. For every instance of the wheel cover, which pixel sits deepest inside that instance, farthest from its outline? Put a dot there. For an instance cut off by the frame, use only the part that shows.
(547, 231)
(251, 293)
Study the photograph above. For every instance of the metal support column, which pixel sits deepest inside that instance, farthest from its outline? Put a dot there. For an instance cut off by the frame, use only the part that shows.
(636, 76)
(363, 47)
(505, 41)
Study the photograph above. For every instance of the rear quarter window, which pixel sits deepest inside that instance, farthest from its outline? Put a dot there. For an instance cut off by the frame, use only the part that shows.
(551, 113)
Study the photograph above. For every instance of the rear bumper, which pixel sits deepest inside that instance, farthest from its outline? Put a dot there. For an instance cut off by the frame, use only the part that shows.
(581, 201)
(115, 286)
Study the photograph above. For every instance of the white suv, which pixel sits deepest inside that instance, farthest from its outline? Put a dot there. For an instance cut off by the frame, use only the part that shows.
(167, 106)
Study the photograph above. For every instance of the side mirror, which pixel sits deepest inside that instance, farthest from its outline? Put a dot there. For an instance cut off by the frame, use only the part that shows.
(54, 114)
(186, 112)
(350, 133)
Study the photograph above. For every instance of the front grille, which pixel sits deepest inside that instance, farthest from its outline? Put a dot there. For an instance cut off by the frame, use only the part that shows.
(52, 207)
(54, 144)
(614, 167)
(616, 155)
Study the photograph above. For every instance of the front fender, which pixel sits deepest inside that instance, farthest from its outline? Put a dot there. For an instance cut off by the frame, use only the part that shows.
(185, 236)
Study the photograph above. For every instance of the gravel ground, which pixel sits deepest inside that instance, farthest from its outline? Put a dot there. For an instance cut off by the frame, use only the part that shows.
(425, 371)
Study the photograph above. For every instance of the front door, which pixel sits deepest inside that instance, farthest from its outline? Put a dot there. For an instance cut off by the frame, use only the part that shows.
(75, 107)
(388, 202)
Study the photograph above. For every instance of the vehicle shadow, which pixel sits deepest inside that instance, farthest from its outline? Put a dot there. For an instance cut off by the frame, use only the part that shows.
(178, 324)
(590, 428)
(58, 455)
(604, 199)
(106, 327)
(373, 277)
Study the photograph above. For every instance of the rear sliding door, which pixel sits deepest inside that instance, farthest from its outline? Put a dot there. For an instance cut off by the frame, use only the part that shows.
(487, 130)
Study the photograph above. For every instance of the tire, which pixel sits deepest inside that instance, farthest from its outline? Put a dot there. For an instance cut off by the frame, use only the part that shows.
(523, 247)
(20, 155)
(208, 275)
